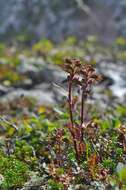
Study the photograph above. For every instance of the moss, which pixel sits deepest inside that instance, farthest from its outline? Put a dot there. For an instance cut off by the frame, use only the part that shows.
(14, 172)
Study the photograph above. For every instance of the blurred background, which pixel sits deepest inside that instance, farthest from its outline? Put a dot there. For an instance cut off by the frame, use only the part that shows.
(36, 36)
(57, 19)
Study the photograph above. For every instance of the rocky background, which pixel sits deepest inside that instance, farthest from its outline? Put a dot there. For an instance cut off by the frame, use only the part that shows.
(56, 19)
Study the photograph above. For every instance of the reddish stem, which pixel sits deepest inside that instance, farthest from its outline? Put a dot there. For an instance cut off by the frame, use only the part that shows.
(70, 101)
(71, 117)
(76, 150)
(82, 107)
(82, 113)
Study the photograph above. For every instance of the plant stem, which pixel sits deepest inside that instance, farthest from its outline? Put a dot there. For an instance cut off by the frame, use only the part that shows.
(70, 101)
(82, 107)
(82, 113)
(71, 118)
(76, 150)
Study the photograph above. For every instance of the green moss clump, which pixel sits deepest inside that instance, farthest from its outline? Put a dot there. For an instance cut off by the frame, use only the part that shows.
(15, 173)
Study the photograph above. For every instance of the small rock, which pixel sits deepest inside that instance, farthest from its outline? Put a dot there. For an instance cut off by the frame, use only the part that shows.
(1, 179)
(42, 96)
(120, 166)
(3, 90)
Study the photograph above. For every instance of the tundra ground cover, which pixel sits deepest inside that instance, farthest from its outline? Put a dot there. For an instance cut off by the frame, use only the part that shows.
(57, 146)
